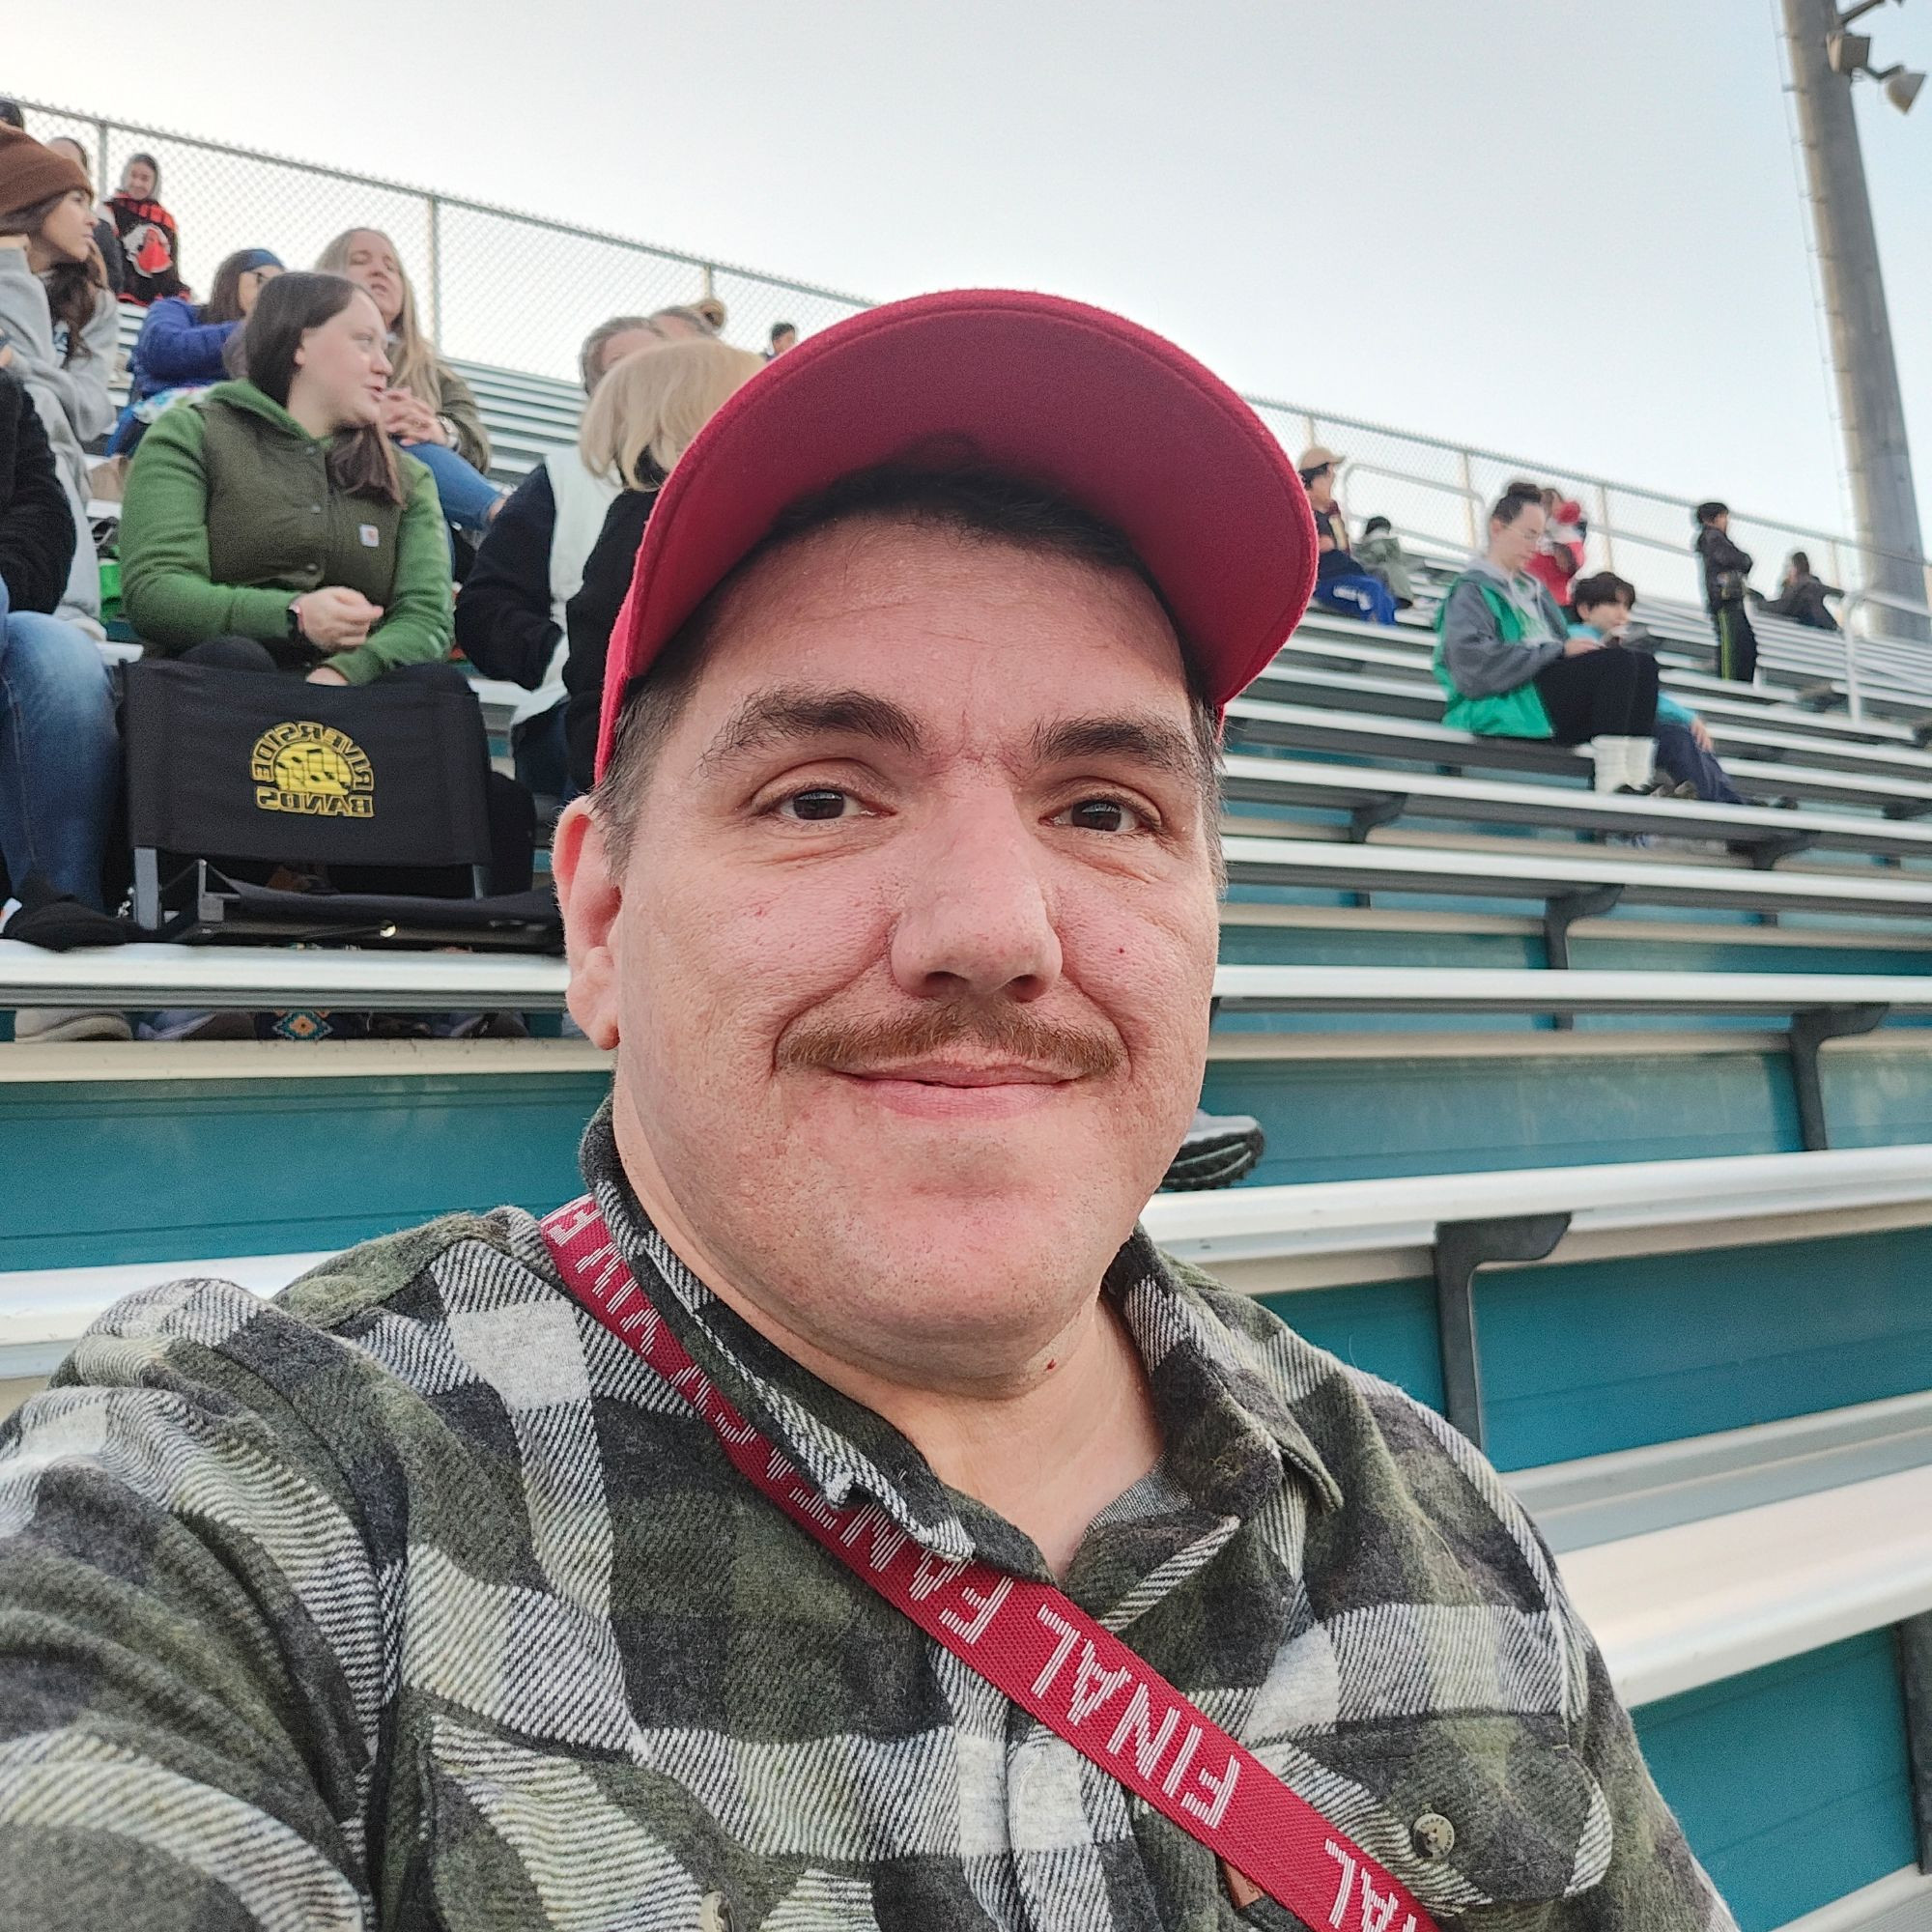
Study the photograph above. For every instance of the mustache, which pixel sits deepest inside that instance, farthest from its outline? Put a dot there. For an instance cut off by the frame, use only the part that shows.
(1003, 1033)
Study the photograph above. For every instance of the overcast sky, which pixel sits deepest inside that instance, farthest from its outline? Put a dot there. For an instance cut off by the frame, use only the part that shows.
(1572, 231)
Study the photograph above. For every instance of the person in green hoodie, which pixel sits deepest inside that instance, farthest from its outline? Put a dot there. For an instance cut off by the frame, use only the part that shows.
(270, 525)
(273, 525)
(1510, 668)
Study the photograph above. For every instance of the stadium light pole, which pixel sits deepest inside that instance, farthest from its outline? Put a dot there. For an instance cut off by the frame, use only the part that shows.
(1825, 58)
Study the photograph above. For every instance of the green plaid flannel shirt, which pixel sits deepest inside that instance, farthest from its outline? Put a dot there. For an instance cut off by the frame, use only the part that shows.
(411, 1599)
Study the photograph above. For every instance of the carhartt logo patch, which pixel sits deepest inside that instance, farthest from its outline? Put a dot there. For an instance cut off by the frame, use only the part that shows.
(314, 770)
(371, 536)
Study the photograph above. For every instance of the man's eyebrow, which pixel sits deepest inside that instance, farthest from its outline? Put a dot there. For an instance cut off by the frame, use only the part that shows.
(1148, 741)
(793, 713)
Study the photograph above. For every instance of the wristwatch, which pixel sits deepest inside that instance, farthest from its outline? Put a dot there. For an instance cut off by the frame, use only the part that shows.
(297, 634)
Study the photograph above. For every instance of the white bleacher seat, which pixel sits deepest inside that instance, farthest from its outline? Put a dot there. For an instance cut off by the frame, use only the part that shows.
(1550, 873)
(155, 973)
(1378, 797)
(1362, 734)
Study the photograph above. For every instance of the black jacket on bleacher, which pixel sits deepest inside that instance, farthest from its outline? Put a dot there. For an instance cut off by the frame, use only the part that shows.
(37, 530)
(503, 623)
(589, 618)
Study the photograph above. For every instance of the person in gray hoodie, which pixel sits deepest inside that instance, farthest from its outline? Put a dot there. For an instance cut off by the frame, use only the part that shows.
(1510, 668)
(59, 317)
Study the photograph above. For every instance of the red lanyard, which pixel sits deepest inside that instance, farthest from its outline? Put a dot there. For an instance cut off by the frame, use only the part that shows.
(1028, 1641)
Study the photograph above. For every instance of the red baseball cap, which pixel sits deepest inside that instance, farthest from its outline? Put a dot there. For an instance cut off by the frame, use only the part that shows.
(1115, 417)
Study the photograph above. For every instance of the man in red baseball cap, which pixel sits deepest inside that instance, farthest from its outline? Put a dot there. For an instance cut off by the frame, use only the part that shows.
(842, 1516)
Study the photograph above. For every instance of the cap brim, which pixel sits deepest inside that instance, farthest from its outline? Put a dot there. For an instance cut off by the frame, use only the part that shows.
(1122, 421)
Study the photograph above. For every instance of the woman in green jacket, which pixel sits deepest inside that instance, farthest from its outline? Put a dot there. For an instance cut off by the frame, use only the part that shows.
(270, 525)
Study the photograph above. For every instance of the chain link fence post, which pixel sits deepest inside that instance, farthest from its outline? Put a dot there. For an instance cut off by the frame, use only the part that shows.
(435, 267)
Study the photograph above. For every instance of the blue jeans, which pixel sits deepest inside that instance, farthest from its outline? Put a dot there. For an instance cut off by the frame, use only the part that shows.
(1366, 597)
(1678, 755)
(60, 755)
(467, 496)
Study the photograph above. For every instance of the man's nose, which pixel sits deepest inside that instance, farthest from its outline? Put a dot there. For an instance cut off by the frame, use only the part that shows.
(975, 918)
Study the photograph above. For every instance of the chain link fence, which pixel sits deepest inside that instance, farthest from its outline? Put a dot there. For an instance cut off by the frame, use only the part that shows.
(470, 264)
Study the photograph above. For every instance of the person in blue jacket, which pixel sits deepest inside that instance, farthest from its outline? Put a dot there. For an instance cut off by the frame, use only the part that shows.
(181, 343)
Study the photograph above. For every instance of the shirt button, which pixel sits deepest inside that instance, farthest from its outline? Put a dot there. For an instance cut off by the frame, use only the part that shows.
(714, 1913)
(1434, 1836)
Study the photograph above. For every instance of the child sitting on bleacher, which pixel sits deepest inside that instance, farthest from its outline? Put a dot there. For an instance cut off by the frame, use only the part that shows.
(1603, 604)
(429, 410)
(1510, 668)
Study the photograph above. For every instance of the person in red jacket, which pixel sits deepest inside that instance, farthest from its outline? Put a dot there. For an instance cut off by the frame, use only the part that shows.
(150, 239)
(1555, 565)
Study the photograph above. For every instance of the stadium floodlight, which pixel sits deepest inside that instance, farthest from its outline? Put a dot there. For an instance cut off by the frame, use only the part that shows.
(1848, 53)
(1901, 86)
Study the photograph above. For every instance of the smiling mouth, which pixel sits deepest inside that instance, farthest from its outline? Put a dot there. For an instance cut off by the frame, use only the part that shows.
(932, 1073)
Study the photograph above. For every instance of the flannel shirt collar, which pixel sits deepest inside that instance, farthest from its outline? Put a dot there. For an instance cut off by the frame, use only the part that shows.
(1228, 1438)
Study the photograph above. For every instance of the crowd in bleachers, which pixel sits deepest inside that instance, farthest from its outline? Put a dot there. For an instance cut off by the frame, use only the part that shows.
(305, 492)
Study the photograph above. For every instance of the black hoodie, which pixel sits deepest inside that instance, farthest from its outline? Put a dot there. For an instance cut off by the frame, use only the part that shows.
(37, 533)
(1726, 567)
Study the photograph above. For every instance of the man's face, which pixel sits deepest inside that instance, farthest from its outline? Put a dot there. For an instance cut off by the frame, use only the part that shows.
(908, 971)
(1609, 618)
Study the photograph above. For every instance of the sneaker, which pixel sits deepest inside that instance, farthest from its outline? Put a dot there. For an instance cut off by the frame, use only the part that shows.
(44, 1025)
(190, 1023)
(1218, 1151)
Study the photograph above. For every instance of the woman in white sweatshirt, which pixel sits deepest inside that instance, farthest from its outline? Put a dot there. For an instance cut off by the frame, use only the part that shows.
(59, 317)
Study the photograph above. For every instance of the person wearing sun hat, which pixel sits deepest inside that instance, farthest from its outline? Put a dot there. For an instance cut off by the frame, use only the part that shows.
(831, 1516)
(1342, 582)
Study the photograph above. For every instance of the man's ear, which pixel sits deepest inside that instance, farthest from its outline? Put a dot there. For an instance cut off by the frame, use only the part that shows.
(591, 896)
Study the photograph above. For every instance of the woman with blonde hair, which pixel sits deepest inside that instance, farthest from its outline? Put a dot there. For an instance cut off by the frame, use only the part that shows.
(644, 415)
(510, 617)
(430, 411)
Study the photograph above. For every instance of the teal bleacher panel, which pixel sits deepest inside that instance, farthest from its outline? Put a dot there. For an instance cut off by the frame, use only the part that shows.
(1352, 1119)
(1367, 946)
(1385, 1328)
(101, 1172)
(1877, 1098)
(1792, 1783)
(1581, 1359)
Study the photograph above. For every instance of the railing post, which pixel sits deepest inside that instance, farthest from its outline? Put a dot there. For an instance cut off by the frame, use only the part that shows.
(102, 186)
(709, 289)
(1851, 626)
(435, 270)
(1468, 476)
(1604, 525)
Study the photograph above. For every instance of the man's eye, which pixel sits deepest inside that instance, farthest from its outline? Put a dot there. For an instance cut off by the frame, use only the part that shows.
(818, 803)
(1103, 814)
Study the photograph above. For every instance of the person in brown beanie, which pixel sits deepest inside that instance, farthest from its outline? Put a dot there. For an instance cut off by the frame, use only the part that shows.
(58, 317)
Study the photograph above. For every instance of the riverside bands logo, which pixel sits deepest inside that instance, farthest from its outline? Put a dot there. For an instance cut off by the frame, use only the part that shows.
(314, 770)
